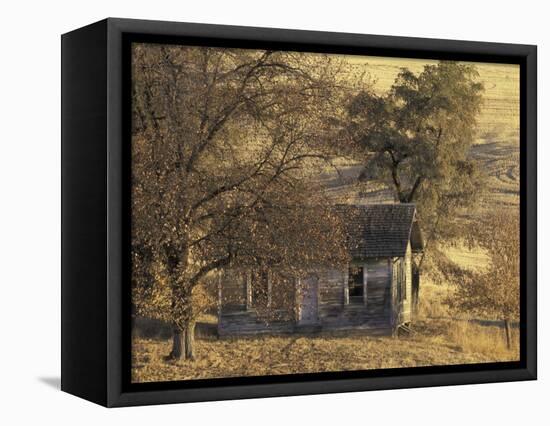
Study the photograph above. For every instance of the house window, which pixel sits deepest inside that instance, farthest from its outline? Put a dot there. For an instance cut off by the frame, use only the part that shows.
(260, 291)
(355, 284)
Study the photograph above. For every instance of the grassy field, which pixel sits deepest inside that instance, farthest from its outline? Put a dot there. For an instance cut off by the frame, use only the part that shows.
(437, 340)
(500, 161)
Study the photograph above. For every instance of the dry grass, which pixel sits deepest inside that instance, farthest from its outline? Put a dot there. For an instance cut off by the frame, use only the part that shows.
(470, 335)
(438, 340)
(488, 340)
(475, 259)
(286, 355)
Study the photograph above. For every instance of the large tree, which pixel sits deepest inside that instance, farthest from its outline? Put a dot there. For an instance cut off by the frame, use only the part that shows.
(224, 141)
(417, 138)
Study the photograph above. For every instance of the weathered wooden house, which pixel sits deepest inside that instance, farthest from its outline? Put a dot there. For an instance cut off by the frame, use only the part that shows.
(372, 293)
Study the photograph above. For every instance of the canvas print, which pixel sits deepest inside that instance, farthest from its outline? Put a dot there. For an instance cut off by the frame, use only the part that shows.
(297, 212)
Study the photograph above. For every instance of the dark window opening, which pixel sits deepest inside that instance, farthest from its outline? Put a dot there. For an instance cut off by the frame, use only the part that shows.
(260, 288)
(355, 284)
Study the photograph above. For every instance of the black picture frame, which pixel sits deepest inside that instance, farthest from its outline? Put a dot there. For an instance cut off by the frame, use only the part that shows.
(95, 212)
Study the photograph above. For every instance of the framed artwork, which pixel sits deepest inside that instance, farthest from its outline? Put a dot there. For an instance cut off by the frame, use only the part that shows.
(252, 212)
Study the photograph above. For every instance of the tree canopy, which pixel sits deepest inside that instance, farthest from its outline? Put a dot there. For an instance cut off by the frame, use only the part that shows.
(223, 144)
(417, 138)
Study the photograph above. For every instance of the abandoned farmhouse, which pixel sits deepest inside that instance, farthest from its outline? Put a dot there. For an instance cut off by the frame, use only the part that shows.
(373, 293)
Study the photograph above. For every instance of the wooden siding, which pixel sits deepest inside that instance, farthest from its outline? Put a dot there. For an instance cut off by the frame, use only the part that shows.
(378, 288)
(237, 314)
(402, 289)
(248, 322)
(407, 303)
(334, 311)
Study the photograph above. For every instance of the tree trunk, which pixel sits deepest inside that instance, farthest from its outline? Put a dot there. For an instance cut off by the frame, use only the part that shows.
(176, 263)
(508, 333)
(178, 344)
(183, 342)
(415, 289)
(190, 340)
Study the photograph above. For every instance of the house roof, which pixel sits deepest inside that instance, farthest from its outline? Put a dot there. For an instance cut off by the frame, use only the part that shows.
(379, 230)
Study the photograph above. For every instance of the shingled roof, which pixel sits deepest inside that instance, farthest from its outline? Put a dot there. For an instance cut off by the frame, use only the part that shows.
(378, 230)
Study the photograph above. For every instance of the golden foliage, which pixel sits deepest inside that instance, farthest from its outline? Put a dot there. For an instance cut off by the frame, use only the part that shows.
(493, 293)
(224, 146)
